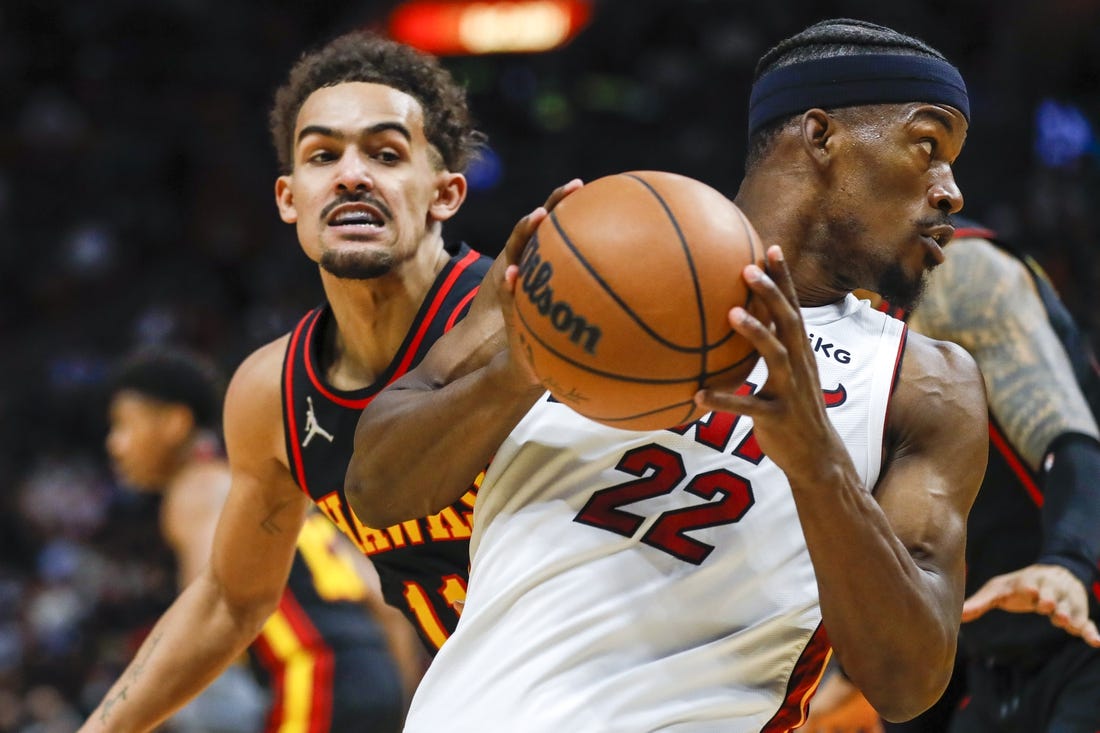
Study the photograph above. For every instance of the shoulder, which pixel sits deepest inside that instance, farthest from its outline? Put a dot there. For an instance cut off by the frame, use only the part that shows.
(195, 495)
(200, 488)
(261, 370)
(940, 395)
(253, 403)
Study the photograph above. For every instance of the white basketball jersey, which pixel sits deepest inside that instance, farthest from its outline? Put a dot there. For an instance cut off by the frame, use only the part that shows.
(629, 581)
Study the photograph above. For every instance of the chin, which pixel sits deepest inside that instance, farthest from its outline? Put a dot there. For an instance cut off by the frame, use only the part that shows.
(357, 266)
(901, 289)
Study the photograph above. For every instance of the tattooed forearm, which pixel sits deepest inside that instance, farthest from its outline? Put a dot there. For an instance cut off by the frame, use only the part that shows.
(984, 300)
(135, 670)
(109, 703)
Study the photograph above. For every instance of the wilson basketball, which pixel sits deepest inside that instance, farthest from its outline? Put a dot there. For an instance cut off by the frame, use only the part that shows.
(623, 296)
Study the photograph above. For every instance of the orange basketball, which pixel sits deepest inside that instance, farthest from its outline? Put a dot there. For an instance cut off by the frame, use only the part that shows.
(623, 296)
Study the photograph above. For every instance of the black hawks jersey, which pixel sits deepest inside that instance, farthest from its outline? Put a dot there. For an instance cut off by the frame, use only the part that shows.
(423, 563)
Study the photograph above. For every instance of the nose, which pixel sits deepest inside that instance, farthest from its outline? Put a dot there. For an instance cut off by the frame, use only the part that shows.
(353, 172)
(944, 193)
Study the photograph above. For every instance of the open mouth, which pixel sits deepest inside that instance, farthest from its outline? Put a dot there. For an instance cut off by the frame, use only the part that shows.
(935, 239)
(356, 215)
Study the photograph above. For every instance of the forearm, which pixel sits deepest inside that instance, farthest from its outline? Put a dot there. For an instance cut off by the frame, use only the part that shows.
(884, 613)
(1071, 509)
(194, 641)
(419, 446)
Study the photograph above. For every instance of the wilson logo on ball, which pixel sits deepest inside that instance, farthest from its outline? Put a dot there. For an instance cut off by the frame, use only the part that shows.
(535, 276)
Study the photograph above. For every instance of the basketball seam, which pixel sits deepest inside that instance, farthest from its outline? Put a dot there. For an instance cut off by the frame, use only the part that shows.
(701, 311)
(619, 301)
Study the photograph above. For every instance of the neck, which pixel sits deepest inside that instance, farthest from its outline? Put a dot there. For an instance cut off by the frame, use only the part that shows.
(372, 317)
(783, 209)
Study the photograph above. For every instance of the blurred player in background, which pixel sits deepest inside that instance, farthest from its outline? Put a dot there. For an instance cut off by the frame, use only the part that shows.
(1028, 648)
(323, 654)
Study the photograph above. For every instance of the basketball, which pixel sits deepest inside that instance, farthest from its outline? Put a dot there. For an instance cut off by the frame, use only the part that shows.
(623, 294)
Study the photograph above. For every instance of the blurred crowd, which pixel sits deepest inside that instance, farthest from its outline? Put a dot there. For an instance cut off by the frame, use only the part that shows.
(136, 206)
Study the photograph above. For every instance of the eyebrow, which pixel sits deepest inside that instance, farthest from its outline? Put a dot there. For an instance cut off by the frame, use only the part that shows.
(937, 114)
(366, 131)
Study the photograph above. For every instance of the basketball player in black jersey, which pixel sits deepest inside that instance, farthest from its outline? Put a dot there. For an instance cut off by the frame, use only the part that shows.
(323, 655)
(372, 138)
(1029, 647)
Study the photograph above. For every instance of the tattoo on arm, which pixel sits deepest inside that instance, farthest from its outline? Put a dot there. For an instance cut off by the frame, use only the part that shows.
(983, 299)
(269, 524)
(136, 669)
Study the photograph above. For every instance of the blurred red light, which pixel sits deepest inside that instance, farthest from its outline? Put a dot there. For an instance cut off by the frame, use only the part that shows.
(488, 26)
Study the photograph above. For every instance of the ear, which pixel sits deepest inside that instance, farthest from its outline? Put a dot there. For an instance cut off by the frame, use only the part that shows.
(177, 423)
(818, 128)
(284, 199)
(450, 192)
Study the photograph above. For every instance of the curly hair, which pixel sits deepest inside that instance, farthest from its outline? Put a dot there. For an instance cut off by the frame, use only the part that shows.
(827, 39)
(363, 56)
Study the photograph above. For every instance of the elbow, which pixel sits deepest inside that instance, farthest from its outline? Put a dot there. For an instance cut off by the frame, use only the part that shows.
(902, 697)
(245, 610)
(360, 490)
(360, 495)
(905, 706)
(364, 490)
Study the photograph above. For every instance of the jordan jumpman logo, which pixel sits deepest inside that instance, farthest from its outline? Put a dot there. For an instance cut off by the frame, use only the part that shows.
(312, 426)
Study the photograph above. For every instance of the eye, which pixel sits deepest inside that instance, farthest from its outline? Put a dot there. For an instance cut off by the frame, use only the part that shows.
(321, 156)
(388, 156)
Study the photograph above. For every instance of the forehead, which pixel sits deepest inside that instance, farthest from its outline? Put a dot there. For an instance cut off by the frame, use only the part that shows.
(352, 106)
(130, 404)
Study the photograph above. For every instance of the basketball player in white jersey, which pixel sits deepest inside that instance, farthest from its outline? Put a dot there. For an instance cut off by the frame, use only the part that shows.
(682, 580)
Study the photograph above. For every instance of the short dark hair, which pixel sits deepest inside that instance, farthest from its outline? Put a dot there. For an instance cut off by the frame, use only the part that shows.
(362, 56)
(828, 39)
(174, 376)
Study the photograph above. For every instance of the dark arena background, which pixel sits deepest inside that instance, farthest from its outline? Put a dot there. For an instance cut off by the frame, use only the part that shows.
(136, 206)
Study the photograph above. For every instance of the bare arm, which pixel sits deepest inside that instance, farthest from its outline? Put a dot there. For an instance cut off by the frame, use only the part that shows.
(983, 299)
(221, 613)
(889, 563)
(1035, 398)
(468, 385)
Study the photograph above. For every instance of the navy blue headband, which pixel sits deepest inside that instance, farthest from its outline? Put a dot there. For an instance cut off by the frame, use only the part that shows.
(844, 81)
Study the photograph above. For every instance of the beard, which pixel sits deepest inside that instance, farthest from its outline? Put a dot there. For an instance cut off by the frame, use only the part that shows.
(901, 289)
(357, 265)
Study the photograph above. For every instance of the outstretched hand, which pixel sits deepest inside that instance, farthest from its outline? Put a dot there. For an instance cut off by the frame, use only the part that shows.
(1049, 590)
(788, 412)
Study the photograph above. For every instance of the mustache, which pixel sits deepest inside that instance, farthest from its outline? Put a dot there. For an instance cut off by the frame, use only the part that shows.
(355, 197)
(941, 219)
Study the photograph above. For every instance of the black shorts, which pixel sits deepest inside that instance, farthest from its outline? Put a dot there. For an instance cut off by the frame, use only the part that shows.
(1059, 695)
(353, 689)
